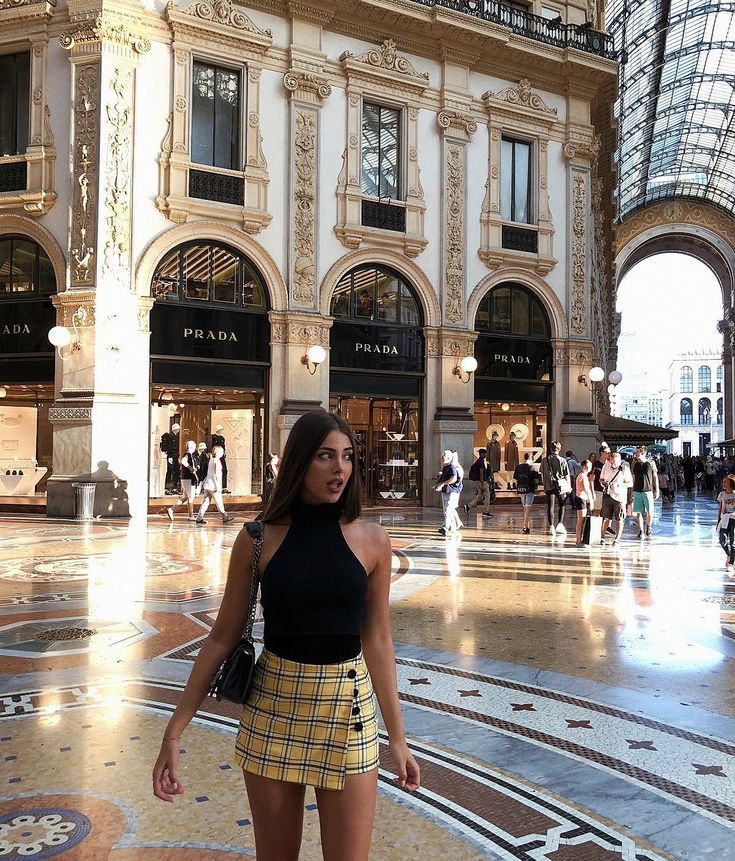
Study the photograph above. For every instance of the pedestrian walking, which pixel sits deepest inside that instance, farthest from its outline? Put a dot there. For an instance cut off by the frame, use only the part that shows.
(555, 475)
(449, 485)
(212, 487)
(645, 490)
(615, 479)
(309, 717)
(525, 478)
(190, 482)
(602, 456)
(479, 474)
(584, 497)
(726, 519)
(271, 473)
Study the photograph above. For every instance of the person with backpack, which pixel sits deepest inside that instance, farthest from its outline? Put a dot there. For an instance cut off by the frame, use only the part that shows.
(557, 486)
(479, 474)
(526, 481)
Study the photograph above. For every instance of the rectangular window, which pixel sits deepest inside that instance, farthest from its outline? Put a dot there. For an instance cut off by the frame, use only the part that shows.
(515, 181)
(15, 71)
(381, 151)
(215, 117)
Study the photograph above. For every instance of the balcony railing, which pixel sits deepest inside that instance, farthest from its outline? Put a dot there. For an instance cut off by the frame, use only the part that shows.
(579, 36)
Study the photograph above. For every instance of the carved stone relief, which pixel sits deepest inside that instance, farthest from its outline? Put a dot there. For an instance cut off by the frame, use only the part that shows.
(117, 174)
(306, 87)
(454, 121)
(220, 12)
(86, 120)
(386, 57)
(578, 315)
(454, 233)
(522, 96)
(304, 207)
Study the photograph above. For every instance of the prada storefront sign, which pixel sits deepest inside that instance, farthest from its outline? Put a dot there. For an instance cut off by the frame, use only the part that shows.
(209, 334)
(24, 327)
(376, 348)
(513, 358)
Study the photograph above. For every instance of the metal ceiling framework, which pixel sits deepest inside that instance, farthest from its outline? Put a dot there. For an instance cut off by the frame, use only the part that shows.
(676, 104)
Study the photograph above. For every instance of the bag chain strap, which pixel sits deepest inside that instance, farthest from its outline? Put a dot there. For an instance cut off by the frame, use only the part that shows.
(254, 584)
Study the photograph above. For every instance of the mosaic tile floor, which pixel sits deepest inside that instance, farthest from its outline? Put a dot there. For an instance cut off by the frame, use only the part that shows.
(564, 704)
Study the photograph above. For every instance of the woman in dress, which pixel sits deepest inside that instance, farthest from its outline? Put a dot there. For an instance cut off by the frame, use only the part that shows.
(584, 498)
(310, 716)
(212, 487)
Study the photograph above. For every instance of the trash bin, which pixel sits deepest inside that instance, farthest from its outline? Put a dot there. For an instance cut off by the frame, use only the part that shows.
(83, 500)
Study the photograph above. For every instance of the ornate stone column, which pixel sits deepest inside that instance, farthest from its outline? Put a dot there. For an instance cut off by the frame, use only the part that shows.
(294, 389)
(449, 402)
(101, 411)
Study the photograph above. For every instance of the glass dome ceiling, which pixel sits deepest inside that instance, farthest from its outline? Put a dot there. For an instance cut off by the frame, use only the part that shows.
(676, 106)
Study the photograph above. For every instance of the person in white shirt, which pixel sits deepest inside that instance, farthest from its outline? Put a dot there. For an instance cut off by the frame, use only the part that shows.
(212, 487)
(615, 479)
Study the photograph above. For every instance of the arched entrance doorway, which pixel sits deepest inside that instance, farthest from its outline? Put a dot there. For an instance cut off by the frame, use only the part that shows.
(514, 378)
(27, 281)
(376, 378)
(210, 355)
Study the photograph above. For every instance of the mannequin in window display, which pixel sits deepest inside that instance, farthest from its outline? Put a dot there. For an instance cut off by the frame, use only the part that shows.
(170, 447)
(493, 461)
(203, 453)
(511, 453)
(218, 439)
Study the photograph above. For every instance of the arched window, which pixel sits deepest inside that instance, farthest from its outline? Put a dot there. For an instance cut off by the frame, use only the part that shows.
(704, 378)
(705, 411)
(209, 273)
(376, 294)
(718, 377)
(686, 380)
(719, 411)
(25, 269)
(685, 411)
(513, 310)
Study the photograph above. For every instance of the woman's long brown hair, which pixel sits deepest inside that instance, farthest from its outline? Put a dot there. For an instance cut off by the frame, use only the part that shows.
(305, 439)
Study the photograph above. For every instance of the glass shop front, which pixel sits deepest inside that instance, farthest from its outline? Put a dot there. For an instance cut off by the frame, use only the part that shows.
(513, 381)
(210, 355)
(377, 378)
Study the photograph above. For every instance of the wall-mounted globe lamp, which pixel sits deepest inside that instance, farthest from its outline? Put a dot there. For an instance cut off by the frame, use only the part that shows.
(313, 357)
(467, 367)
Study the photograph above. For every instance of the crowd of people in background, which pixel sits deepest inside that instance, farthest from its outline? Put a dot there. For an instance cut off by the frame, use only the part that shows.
(608, 484)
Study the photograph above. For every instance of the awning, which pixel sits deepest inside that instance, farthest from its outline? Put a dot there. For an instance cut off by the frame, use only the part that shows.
(617, 431)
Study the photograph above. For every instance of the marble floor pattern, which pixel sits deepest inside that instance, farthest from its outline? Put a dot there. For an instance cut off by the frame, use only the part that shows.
(564, 704)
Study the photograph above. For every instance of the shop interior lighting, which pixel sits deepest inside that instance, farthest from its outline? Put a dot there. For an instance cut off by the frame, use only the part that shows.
(505, 407)
(3, 391)
(313, 357)
(467, 367)
(61, 337)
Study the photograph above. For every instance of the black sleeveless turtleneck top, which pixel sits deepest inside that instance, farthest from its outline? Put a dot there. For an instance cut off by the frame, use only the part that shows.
(313, 590)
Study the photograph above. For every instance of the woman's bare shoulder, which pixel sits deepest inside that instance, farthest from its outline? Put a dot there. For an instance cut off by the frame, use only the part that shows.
(368, 530)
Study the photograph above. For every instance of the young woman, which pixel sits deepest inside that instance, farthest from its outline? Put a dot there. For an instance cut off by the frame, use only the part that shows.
(584, 498)
(189, 481)
(310, 716)
(212, 487)
(271, 473)
(726, 519)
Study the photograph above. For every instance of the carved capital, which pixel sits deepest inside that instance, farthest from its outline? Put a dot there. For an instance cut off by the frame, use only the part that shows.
(122, 30)
(306, 86)
(454, 122)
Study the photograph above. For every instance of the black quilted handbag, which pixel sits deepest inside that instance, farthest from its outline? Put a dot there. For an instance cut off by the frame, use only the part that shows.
(234, 677)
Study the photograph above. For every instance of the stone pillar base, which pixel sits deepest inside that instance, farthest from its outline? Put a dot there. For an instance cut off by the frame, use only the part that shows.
(110, 496)
(580, 433)
(453, 428)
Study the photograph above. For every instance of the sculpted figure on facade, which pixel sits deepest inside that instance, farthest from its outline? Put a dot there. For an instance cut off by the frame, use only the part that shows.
(117, 184)
(305, 143)
(578, 316)
(86, 120)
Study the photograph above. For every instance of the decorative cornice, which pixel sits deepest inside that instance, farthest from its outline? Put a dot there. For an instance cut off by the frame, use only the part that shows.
(17, 4)
(69, 414)
(521, 97)
(305, 86)
(385, 61)
(220, 17)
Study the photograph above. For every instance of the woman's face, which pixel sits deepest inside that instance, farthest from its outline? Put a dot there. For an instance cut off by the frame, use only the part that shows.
(330, 469)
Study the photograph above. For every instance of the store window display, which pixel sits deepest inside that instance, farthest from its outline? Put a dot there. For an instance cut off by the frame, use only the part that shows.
(509, 432)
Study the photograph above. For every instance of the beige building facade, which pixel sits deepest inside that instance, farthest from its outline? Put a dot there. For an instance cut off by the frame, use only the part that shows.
(238, 186)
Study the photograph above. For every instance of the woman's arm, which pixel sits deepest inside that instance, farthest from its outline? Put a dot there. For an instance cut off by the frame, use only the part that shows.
(224, 636)
(377, 646)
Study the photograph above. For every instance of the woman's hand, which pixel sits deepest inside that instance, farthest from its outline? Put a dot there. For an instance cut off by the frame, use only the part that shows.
(409, 775)
(166, 781)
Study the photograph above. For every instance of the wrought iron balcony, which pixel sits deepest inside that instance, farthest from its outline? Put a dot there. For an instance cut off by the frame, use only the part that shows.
(579, 36)
(520, 238)
(13, 175)
(386, 216)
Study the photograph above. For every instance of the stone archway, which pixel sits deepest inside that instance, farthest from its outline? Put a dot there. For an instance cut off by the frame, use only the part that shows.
(700, 231)
(28, 227)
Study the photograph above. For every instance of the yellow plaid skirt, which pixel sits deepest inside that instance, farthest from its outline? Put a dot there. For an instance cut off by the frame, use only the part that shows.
(308, 723)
